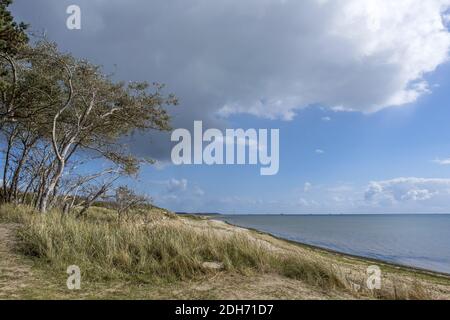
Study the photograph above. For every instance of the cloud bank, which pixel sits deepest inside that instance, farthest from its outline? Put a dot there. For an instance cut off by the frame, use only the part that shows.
(271, 57)
(266, 58)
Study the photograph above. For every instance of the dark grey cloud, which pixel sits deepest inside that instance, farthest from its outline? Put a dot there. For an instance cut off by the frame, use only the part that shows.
(268, 58)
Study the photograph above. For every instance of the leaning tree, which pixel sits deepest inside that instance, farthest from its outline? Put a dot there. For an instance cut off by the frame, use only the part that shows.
(93, 113)
(56, 109)
(71, 109)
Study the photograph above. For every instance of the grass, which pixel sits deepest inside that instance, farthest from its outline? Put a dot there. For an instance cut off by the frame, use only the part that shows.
(159, 247)
(150, 248)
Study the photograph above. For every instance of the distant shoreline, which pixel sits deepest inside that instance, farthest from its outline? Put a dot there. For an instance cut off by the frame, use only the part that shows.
(342, 254)
(310, 214)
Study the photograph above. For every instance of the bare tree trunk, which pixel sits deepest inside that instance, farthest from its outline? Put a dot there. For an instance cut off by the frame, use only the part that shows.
(39, 191)
(89, 202)
(6, 167)
(60, 154)
(43, 205)
(13, 189)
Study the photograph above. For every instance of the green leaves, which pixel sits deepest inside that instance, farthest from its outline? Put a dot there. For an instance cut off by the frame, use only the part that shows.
(12, 34)
(68, 107)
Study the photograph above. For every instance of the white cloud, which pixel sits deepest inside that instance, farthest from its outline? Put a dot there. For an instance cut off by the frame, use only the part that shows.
(399, 190)
(175, 185)
(418, 195)
(400, 195)
(199, 191)
(319, 151)
(307, 187)
(267, 58)
(442, 161)
(180, 195)
(326, 119)
(348, 55)
(302, 202)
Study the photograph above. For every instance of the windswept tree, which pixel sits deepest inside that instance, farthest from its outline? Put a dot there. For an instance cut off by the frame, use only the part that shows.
(57, 111)
(92, 113)
(70, 108)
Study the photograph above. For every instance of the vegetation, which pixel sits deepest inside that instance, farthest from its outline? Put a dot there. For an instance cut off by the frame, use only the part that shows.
(58, 113)
(152, 247)
(12, 34)
(156, 247)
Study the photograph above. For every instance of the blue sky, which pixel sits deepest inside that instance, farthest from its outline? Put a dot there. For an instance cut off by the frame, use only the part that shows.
(365, 82)
(357, 149)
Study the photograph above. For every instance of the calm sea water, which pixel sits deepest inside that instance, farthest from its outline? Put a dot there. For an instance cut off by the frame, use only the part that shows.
(421, 241)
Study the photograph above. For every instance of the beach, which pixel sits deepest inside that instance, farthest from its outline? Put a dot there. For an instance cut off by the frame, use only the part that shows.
(416, 241)
(226, 262)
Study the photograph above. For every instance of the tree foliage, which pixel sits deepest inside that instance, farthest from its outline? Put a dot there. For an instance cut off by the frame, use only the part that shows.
(57, 112)
(12, 34)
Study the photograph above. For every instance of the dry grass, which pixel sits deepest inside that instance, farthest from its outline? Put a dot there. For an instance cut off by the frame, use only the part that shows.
(413, 291)
(158, 247)
(152, 247)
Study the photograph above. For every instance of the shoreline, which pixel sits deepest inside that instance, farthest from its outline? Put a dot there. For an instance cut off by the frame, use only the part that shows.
(216, 260)
(397, 266)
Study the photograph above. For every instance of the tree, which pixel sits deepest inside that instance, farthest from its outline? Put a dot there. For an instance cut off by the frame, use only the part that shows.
(69, 107)
(94, 112)
(128, 201)
(56, 109)
(12, 39)
(12, 34)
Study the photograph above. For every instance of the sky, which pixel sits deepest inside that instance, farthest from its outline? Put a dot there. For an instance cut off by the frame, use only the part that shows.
(359, 91)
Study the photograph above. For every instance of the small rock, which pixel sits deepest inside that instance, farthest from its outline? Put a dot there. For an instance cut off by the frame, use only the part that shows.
(213, 265)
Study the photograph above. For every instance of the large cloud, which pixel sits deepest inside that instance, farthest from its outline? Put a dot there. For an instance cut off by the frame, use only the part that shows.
(348, 55)
(267, 58)
(401, 190)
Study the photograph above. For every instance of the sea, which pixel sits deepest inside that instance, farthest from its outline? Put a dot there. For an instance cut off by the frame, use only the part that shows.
(420, 241)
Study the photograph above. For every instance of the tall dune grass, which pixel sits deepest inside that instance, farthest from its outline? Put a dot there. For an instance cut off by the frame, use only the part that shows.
(164, 249)
(159, 247)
